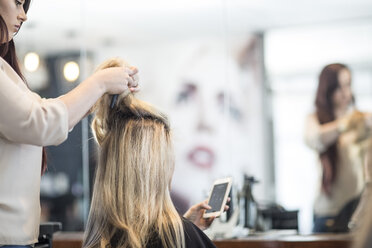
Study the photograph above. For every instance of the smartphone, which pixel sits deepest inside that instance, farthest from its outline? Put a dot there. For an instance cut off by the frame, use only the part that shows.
(218, 197)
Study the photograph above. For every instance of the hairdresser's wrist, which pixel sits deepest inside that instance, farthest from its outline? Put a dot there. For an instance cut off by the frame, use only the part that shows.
(342, 125)
(98, 82)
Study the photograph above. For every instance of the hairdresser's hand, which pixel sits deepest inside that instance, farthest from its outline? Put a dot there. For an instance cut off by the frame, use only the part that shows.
(195, 214)
(361, 124)
(134, 87)
(116, 80)
(352, 120)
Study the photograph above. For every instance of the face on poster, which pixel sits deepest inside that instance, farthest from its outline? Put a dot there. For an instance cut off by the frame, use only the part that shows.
(209, 119)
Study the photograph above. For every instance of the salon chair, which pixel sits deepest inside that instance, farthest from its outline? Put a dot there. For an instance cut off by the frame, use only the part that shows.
(46, 232)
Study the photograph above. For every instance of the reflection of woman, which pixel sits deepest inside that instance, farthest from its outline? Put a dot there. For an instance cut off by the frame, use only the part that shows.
(28, 123)
(131, 205)
(338, 133)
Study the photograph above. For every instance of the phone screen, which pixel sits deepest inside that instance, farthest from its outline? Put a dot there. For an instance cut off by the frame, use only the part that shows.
(217, 196)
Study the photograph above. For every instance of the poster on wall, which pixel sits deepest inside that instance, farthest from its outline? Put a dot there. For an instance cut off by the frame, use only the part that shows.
(211, 90)
(214, 101)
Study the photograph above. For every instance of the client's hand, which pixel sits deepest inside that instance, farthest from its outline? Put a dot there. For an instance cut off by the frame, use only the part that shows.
(195, 214)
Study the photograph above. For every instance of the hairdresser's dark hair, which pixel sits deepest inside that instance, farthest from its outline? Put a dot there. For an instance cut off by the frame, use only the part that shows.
(8, 53)
(328, 84)
(7, 49)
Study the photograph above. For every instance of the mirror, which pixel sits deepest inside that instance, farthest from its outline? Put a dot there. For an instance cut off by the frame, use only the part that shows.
(236, 78)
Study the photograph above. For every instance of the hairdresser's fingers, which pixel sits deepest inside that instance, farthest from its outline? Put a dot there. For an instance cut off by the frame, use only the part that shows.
(134, 70)
(114, 79)
(133, 73)
(133, 86)
(131, 70)
(135, 79)
(130, 82)
(134, 89)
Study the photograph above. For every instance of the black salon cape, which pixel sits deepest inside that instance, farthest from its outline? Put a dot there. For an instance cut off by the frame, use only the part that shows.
(194, 237)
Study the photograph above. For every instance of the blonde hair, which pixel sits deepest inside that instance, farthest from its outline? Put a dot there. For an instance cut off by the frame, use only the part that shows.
(362, 235)
(131, 203)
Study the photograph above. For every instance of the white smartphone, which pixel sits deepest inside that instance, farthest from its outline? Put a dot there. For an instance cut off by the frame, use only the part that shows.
(218, 197)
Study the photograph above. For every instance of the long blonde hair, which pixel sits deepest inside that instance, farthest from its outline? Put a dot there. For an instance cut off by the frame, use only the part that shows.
(131, 201)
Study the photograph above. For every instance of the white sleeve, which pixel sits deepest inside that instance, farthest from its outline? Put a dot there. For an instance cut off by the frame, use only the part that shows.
(27, 118)
(312, 134)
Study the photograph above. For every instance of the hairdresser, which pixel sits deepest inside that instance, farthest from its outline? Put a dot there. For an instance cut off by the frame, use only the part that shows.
(29, 122)
(340, 135)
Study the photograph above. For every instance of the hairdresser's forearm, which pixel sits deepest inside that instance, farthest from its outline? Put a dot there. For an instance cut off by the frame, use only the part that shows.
(79, 100)
(329, 133)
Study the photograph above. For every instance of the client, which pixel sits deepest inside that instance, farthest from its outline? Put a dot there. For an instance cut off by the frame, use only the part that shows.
(131, 205)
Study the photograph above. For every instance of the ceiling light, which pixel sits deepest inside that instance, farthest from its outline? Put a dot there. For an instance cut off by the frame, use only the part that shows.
(71, 71)
(32, 61)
